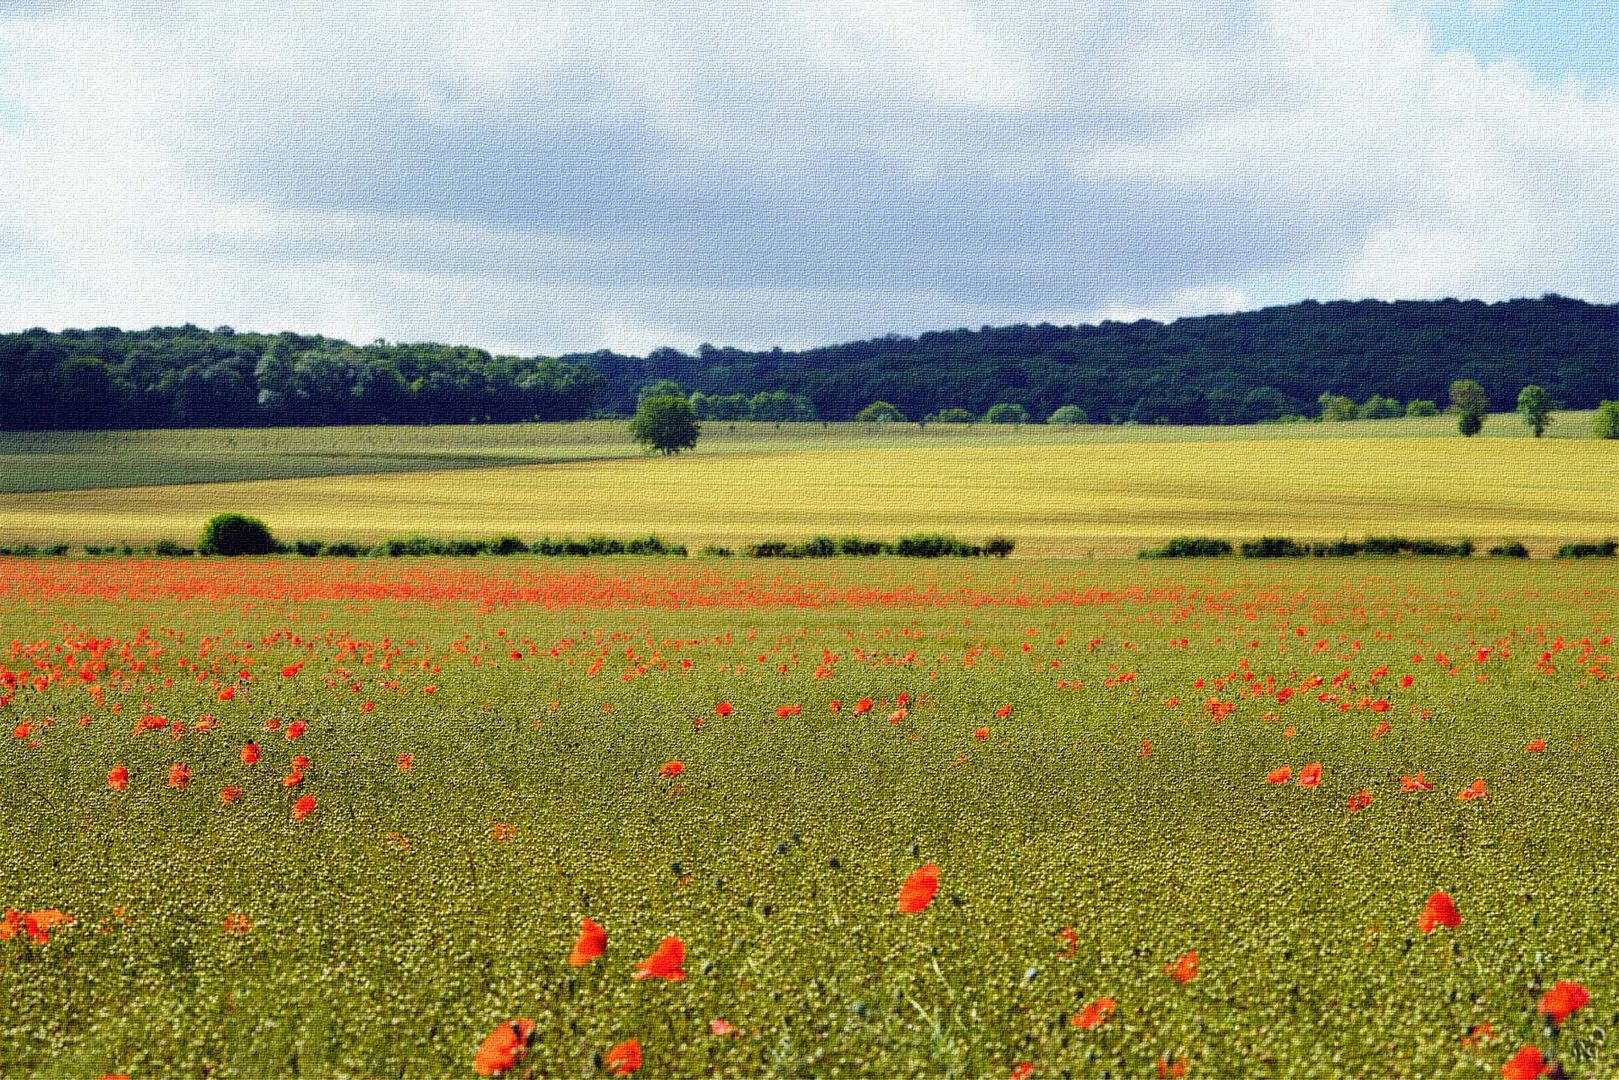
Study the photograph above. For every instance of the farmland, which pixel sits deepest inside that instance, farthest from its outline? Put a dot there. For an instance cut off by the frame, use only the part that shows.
(1079, 491)
(755, 760)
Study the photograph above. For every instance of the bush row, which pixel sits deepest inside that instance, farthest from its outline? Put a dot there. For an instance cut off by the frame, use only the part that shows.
(1282, 547)
(917, 546)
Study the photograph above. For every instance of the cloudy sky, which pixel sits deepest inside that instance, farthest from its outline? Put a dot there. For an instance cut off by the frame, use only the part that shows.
(541, 176)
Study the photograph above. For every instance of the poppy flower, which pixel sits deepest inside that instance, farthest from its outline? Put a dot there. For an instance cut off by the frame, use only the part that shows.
(665, 961)
(591, 944)
(1563, 998)
(405, 762)
(1184, 969)
(1536, 746)
(292, 669)
(1003, 712)
(236, 923)
(303, 807)
(37, 924)
(1095, 1014)
(1526, 1064)
(1418, 782)
(721, 1027)
(1022, 1071)
(293, 778)
(227, 694)
(863, 706)
(1279, 775)
(1146, 748)
(671, 769)
(1472, 791)
(1478, 1034)
(917, 892)
(251, 754)
(1359, 801)
(118, 777)
(1440, 910)
(624, 1058)
(296, 729)
(723, 709)
(1310, 775)
(1171, 1067)
(503, 1047)
(229, 794)
(179, 776)
(981, 733)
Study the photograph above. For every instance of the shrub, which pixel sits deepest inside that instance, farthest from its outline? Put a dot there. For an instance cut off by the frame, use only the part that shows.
(1510, 550)
(717, 551)
(1190, 547)
(856, 546)
(880, 412)
(1605, 549)
(933, 546)
(508, 545)
(309, 548)
(1273, 547)
(1068, 414)
(171, 549)
(1605, 425)
(999, 546)
(1336, 549)
(235, 534)
(1419, 407)
(955, 415)
(1006, 412)
(345, 549)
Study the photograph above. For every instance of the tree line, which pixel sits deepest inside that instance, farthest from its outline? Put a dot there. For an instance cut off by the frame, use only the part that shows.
(1247, 367)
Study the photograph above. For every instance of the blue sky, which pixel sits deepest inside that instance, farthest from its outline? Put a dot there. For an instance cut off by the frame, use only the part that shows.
(540, 176)
(1557, 39)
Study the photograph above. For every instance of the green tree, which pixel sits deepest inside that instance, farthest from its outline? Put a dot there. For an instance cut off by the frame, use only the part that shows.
(1068, 414)
(235, 534)
(778, 405)
(1467, 400)
(661, 388)
(1335, 408)
(953, 415)
(665, 423)
(1606, 423)
(1535, 406)
(880, 412)
(1419, 407)
(1006, 412)
(1379, 408)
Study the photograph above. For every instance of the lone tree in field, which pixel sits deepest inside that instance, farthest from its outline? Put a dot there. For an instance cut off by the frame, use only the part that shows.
(234, 534)
(1467, 398)
(1535, 406)
(666, 423)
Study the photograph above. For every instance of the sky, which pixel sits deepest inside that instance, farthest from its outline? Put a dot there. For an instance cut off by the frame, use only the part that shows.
(550, 176)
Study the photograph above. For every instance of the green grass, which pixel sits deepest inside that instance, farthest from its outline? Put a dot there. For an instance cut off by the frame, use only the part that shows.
(391, 931)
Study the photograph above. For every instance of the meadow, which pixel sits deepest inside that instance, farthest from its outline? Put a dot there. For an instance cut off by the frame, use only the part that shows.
(1059, 491)
(1186, 819)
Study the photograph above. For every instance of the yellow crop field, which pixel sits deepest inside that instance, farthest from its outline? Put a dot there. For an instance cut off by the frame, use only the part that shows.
(1057, 499)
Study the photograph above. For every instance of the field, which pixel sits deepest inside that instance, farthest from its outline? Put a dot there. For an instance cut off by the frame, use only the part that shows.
(1070, 492)
(755, 760)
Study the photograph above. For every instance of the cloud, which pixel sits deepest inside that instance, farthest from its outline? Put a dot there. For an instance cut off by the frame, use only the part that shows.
(565, 175)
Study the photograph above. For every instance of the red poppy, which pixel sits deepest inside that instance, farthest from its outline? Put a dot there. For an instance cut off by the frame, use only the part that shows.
(721, 1027)
(1563, 998)
(1004, 711)
(1536, 746)
(179, 776)
(118, 778)
(981, 733)
(1478, 1034)
(1172, 1067)
(1472, 791)
(292, 669)
(1022, 1071)
(405, 762)
(863, 706)
(917, 892)
(503, 1047)
(591, 944)
(251, 754)
(1526, 1064)
(227, 693)
(1359, 801)
(1310, 775)
(624, 1058)
(671, 769)
(303, 807)
(296, 728)
(1279, 775)
(665, 961)
(1095, 1014)
(1418, 782)
(229, 794)
(723, 709)
(1184, 969)
(1440, 910)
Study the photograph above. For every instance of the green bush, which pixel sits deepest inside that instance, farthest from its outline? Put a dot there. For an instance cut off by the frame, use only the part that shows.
(308, 548)
(508, 545)
(1068, 414)
(1605, 425)
(1510, 550)
(1190, 547)
(1006, 412)
(1419, 407)
(235, 534)
(1273, 547)
(1336, 549)
(999, 546)
(1605, 549)
(171, 549)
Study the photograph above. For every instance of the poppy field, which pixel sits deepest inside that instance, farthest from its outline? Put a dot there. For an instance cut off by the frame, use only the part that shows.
(1030, 819)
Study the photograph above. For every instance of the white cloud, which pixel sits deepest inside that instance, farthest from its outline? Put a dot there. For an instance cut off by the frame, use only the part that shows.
(544, 176)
